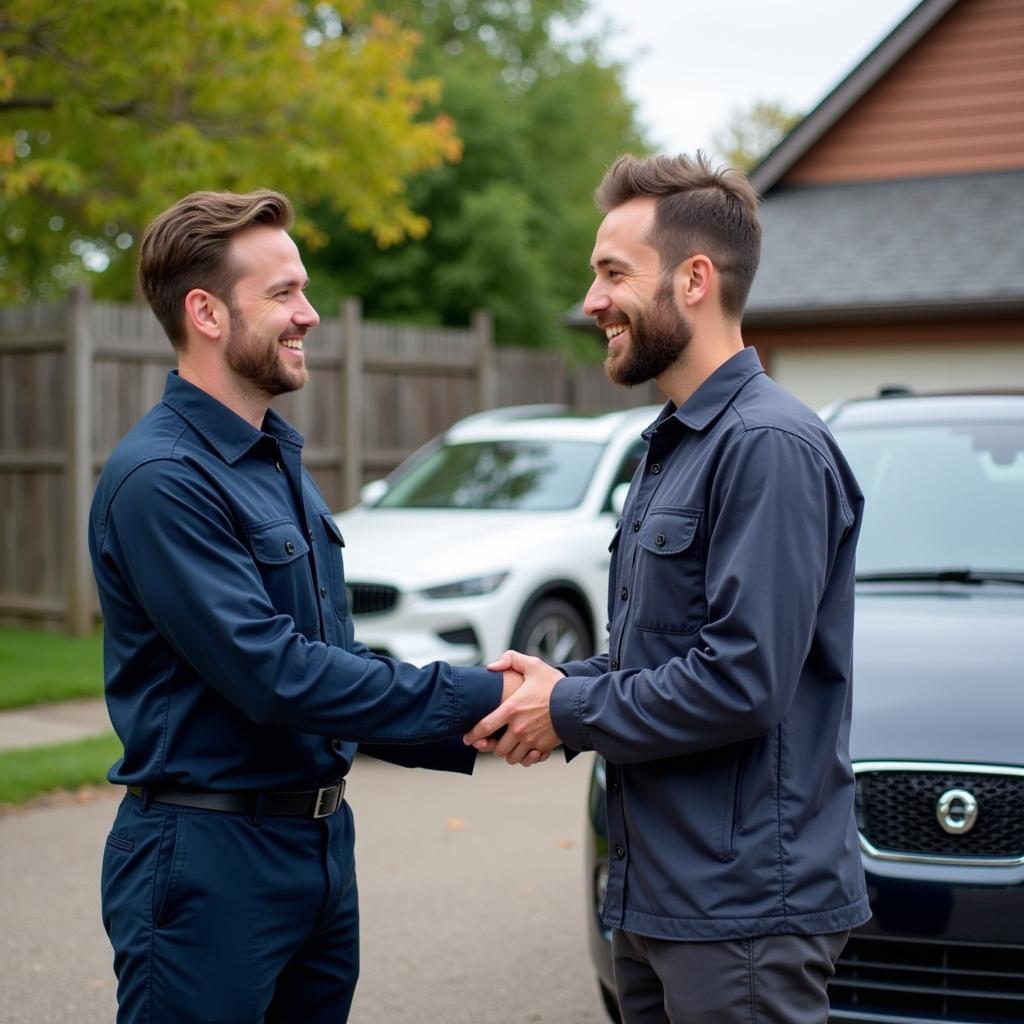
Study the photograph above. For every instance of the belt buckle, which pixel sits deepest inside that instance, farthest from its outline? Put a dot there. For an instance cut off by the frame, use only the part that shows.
(328, 799)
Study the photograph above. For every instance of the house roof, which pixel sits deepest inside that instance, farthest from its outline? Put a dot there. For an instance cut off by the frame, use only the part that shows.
(852, 88)
(915, 245)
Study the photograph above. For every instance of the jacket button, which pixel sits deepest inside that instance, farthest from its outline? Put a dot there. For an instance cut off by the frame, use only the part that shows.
(323, 591)
(636, 525)
(277, 466)
(623, 593)
(656, 468)
(615, 664)
(613, 786)
(310, 534)
(289, 547)
(619, 852)
(660, 540)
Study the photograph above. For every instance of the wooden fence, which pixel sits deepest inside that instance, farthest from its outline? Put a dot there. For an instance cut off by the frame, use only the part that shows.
(75, 376)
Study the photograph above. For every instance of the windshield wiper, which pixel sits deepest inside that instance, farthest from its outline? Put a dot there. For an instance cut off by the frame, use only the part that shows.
(950, 575)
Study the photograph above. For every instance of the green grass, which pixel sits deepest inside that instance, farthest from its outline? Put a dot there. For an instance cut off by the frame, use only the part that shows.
(37, 666)
(27, 773)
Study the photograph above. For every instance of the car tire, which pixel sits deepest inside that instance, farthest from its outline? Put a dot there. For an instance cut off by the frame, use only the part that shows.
(611, 1004)
(554, 631)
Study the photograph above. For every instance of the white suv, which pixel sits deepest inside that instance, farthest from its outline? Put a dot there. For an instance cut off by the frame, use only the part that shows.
(494, 535)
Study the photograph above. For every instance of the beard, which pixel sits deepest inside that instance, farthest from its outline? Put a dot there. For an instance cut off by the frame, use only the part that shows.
(259, 363)
(658, 337)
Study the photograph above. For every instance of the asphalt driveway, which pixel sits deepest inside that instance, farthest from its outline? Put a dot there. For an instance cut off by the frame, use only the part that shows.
(471, 891)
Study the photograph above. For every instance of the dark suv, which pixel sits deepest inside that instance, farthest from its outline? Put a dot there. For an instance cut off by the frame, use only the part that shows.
(938, 721)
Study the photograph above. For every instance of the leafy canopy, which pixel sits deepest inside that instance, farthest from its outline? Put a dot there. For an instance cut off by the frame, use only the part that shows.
(113, 109)
(541, 115)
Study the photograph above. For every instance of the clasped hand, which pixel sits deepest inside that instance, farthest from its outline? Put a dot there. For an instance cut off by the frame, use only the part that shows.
(525, 713)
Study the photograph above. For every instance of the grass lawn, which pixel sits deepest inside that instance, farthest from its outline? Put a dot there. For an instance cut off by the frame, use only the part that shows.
(38, 666)
(28, 772)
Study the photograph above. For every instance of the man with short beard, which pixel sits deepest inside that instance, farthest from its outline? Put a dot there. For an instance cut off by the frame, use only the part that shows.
(722, 708)
(232, 675)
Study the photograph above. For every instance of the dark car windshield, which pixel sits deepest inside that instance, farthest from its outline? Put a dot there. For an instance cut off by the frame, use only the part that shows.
(530, 475)
(942, 499)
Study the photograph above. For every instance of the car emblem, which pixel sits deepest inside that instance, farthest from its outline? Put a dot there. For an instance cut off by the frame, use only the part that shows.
(957, 811)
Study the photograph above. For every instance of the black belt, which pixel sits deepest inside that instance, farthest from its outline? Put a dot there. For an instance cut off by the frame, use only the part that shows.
(303, 803)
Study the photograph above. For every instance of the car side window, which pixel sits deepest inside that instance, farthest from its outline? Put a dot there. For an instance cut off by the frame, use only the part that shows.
(627, 468)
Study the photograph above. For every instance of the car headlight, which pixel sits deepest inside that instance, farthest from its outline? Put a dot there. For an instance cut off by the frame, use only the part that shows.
(466, 588)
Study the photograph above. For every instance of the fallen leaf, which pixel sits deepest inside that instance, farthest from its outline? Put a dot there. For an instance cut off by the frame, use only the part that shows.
(454, 824)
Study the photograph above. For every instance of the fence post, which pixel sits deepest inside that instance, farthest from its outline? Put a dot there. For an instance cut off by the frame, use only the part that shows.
(352, 399)
(78, 355)
(483, 329)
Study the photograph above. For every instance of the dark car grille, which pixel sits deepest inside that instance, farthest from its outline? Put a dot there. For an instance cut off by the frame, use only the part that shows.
(896, 811)
(937, 980)
(371, 598)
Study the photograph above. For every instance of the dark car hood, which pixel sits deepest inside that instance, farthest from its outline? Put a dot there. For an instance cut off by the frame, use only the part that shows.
(939, 675)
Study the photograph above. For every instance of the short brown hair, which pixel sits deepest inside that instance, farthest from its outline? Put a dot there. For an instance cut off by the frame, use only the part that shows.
(186, 247)
(698, 209)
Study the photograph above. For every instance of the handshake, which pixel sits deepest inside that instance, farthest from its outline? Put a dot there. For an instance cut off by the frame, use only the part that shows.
(524, 713)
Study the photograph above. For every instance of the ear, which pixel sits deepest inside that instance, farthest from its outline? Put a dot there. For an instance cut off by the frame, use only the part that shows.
(693, 279)
(206, 314)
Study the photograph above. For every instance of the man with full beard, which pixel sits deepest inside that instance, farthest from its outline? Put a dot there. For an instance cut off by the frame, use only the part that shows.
(722, 707)
(232, 675)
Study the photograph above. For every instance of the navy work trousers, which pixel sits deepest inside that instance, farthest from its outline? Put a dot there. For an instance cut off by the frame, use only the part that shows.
(218, 917)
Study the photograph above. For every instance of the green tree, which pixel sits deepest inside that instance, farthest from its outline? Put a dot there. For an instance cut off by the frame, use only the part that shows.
(753, 131)
(112, 109)
(541, 114)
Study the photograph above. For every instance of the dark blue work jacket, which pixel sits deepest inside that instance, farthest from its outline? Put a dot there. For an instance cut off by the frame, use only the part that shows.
(229, 658)
(723, 705)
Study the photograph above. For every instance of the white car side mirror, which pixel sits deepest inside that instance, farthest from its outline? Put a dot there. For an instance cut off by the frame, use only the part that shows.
(371, 493)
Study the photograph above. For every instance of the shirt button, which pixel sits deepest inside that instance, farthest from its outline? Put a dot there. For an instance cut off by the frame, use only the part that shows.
(310, 534)
(613, 786)
(623, 593)
(615, 664)
(277, 466)
(656, 468)
(636, 525)
(289, 547)
(323, 591)
(619, 852)
(660, 540)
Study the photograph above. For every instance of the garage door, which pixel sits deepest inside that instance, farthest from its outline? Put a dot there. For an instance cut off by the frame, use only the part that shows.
(821, 376)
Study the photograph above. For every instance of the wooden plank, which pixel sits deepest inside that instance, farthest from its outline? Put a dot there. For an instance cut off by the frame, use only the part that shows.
(79, 478)
(32, 607)
(29, 341)
(32, 461)
(352, 399)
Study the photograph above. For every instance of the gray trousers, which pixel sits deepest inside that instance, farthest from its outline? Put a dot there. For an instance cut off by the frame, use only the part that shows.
(772, 979)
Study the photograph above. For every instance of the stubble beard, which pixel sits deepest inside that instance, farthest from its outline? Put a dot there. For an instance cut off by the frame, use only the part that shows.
(258, 364)
(658, 337)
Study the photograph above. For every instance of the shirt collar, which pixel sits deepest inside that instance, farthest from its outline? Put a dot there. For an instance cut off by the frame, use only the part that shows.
(226, 431)
(715, 394)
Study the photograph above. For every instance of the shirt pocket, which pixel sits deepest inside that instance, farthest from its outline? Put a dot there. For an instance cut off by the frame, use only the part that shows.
(336, 567)
(668, 591)
(281, 553)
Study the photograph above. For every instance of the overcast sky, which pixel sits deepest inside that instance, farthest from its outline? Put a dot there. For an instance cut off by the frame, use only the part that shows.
(690, 62)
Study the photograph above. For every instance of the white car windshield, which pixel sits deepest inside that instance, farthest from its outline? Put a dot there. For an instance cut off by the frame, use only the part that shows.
(529, 475)
(939, 498)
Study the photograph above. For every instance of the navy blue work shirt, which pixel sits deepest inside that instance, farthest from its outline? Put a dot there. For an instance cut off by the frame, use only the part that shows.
(229, 655)
(723, 704)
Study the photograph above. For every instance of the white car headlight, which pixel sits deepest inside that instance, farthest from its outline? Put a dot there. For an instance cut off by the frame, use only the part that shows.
(466, 588)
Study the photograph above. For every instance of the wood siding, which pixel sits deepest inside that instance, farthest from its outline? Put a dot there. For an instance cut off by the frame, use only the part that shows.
(953, 104)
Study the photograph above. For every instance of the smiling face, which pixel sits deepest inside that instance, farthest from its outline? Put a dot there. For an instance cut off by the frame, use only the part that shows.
(631, 298)
(270, 314)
